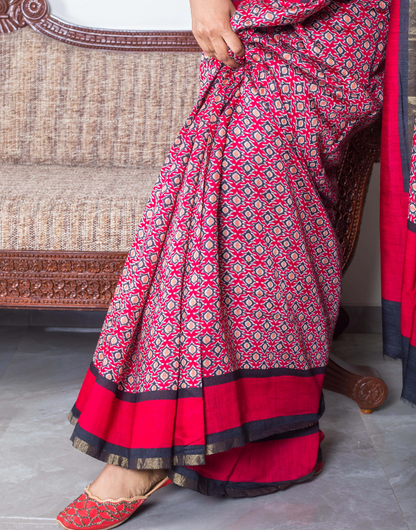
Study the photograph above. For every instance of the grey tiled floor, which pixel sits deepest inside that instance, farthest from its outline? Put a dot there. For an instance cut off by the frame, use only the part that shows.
(368, 482)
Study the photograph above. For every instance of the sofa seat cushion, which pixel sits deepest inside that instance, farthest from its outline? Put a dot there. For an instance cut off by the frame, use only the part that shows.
(72, 208)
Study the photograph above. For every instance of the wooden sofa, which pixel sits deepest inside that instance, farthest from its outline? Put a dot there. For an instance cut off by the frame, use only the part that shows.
(84, 130)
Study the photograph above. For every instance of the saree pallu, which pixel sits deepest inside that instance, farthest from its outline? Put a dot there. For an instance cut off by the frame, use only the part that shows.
(211, 359)
(398, 195)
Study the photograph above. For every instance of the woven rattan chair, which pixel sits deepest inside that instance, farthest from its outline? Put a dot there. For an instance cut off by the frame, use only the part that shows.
(84, 129)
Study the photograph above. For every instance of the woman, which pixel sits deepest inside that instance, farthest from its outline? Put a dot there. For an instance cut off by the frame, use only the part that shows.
(209, 368)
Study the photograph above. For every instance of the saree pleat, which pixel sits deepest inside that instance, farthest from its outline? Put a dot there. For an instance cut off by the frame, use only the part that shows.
(212, 355)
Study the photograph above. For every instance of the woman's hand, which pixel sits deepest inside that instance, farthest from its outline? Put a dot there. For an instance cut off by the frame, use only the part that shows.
(212, 29)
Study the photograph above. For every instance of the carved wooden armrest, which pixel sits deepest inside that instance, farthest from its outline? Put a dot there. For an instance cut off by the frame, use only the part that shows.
(362, 384)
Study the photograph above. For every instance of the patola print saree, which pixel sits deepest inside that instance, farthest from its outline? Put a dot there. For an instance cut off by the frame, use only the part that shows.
(212, 356)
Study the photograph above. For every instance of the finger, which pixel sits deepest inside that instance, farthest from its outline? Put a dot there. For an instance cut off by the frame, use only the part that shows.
(234, 43)
(221, 53)
(207, 48)
(205, 45)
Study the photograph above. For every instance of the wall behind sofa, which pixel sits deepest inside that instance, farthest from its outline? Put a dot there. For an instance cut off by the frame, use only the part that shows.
(125, 14)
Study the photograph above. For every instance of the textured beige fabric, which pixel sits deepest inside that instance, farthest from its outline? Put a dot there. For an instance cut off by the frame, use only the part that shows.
(72, 208)
(61, 104)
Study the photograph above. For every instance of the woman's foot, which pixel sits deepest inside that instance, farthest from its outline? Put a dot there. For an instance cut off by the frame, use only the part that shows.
(115, 482)
(117, 493)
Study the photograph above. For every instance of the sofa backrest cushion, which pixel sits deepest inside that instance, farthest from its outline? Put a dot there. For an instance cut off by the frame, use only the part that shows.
(65, 105)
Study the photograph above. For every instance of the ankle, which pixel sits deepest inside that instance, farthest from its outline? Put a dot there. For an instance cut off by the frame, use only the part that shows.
(145, 480)
(115, 482)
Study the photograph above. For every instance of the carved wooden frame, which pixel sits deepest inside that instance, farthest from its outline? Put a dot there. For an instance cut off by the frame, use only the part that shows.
(59, 280)
(16, 14)
(353, 177)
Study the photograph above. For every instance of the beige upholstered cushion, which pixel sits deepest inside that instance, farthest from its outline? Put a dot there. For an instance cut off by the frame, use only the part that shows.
(83, 134)
(72, 208)
(61, 104)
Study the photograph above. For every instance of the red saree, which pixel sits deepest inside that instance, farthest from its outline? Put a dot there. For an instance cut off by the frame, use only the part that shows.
(398, 196)
(213, 352)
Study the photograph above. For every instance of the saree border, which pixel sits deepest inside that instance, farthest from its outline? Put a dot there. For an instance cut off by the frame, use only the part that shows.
(207, 381)
(281, 427)
(208, 385)
(193, 479)
(189, 478)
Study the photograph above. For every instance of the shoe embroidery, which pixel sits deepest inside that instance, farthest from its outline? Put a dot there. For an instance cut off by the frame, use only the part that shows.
(88, 512)
(85, 512)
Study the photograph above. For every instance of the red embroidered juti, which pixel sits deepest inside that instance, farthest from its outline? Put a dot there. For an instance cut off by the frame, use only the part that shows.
(212, 356)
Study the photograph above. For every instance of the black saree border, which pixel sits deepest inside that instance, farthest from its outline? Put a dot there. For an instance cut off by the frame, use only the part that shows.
(398, 346)
(258, 430)
(260, 373)
(305, 431)
(157, 458)
(143, 396)
(281, 427)
(411, 226)
(191, 479)
(392, 337)
(197, 392)
(403, 100)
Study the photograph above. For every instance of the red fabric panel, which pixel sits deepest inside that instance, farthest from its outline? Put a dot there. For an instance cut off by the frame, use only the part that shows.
(185, 421)
(287, 459)
(268, 398)
(86, 387)
(393, 200)
(189, 422)
(147, 424)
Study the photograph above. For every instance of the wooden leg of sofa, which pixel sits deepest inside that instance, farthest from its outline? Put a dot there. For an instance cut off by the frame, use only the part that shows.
(362, 384)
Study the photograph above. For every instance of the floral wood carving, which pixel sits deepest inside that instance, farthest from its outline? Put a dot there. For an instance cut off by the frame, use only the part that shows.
(59, 279)
(130, 41)
(11, 16)
(371, 392)
(34, 10)
(353, 176)
(362, 384)
(15, 14)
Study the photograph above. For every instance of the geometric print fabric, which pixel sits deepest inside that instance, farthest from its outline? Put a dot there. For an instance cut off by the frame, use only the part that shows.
(236, 265)
(212, 356)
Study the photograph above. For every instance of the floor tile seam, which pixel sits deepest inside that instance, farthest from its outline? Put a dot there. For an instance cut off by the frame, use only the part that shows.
(18, 518)
(392, 489)
(22, 338)
(15, 350)
(13, 353)
(383, 468)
